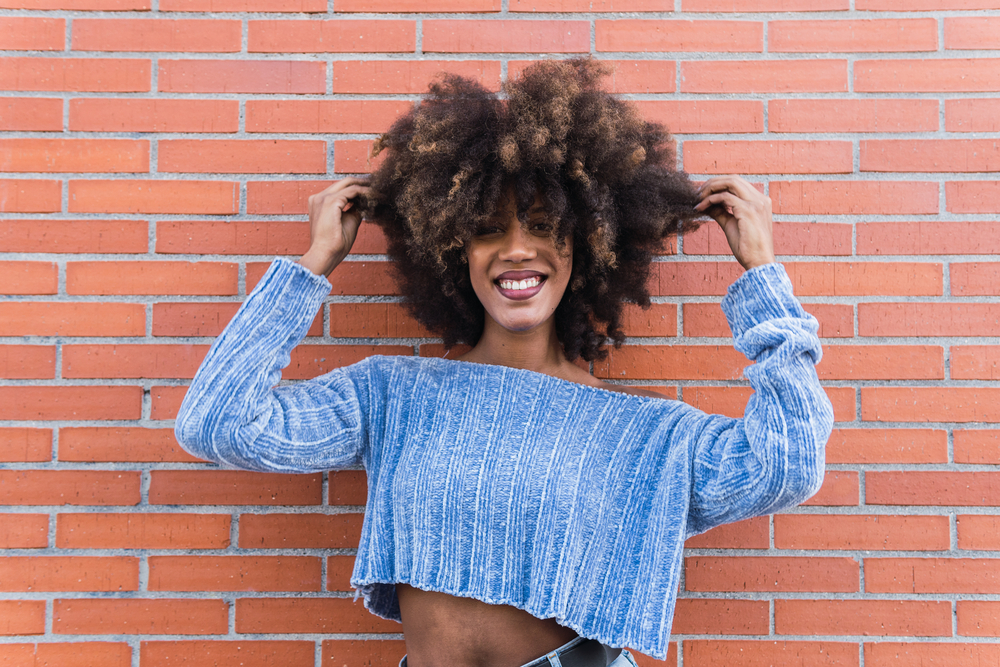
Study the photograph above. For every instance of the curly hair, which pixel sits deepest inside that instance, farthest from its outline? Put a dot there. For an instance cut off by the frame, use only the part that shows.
(605, 176)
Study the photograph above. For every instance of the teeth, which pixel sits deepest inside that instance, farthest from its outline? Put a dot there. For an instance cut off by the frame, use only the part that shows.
(518, 285)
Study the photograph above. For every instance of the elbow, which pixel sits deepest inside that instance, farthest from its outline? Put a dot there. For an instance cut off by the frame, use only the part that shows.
(189, 430)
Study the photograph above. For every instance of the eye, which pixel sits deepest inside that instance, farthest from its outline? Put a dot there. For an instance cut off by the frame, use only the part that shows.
(541, 225)
(489, 229)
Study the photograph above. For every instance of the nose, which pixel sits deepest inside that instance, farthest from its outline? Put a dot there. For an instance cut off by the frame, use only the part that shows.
(517, 244)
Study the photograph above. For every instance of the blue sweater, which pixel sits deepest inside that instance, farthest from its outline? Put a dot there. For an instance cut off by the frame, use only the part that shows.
(510, 486)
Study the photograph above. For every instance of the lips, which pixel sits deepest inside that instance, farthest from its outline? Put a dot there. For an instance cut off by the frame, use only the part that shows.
(519, 285)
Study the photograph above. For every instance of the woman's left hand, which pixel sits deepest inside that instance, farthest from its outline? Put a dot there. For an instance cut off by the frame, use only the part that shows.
(744, 215)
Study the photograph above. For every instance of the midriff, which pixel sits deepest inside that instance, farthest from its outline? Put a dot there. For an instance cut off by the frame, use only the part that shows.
(446, 631)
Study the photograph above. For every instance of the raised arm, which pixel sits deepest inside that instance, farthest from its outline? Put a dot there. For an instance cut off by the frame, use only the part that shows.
(774, 457)
(234, 415)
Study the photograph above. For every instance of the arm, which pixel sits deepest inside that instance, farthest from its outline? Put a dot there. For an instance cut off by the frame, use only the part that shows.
(232, 413)
(774, 457)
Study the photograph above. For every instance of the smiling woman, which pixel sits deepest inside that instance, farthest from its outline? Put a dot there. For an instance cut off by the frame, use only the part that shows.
(520, 511)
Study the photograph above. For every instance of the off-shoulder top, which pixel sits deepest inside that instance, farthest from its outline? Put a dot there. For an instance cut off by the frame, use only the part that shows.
(513, 487)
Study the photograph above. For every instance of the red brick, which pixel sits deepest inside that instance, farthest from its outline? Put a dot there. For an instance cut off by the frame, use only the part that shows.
(721, 617)
(854, 197)
(275, 77)
(338, 573)
(710, 653)
(928, 319)
(407, 77)
(771, 573)
(930, 654)
(323, 116)
(930, 155)
(978, 532)
(932, 575)
(106, 530)
(753, 533)
(69, 573)
(132, 361)
(203, 319)
(242, 156)
(138, 115)
(72, 319)
(75, 654)
(964, 115)
(672, 362)
(25, 444)
(233, 237)
(79, 155)
(234, 573)
(951, 75)
(242, 653)
(22, 617)
(362, 278)
(28, 362)
(859, 115)
(909, 618)
(140, 617)
(295, 6)
(975, 279)
(627, 76)
(978, 618)
(121, 444)
(696, 278)
(506, 36)
(30, 196)
(66, 236)
(705, 116)
(768, 157)
(307, 615)
(354, 156)
(852, 36)
(647, 35)
(77, 5)
(300, 531)
(422, 6)
(660, 319)
(208, 197)
(869, 532)
(69, 487)
(232, 487)
(881, 362)
(209, 278)
(85, 402)
(187, 36)
(930, 404)
(977, 446)
(764, 5)
(923, 5)
(865, 278)
(338, 36)
(840, 489)
(972, 33)
(23, 33)
(975, 362)
(972, 197)
(764, 76)
(97, 75)
(348, 487)
(373, 320)
(790, 238)
(732, 401)
(309, 361)
(31, 114)
(23, 531)
(928, 237)
(283, 197)
(707, 319)
(166, 401)
(894, 445)
(589, 6)
(372, 653)
(965, 489)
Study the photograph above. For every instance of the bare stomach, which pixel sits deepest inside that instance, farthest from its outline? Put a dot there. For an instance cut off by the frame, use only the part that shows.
(443, 631)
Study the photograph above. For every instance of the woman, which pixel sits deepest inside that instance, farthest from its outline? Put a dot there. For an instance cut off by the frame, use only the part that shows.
(521, 511)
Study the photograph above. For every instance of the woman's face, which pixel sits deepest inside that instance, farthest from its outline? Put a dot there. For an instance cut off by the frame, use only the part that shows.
(517, 270)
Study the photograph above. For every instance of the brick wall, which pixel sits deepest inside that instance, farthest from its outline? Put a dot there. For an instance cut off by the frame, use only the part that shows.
(158, 153)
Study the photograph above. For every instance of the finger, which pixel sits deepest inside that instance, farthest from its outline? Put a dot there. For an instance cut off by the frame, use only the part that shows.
(725, 198)
(735, 184)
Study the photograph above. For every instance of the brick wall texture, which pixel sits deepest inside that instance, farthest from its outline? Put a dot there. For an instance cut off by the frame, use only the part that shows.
(156, 154)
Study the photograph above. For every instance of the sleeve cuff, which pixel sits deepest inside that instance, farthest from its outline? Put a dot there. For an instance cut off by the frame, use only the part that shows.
(763, 293)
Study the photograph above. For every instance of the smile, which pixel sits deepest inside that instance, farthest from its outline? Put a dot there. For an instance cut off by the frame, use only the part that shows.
(517, 285)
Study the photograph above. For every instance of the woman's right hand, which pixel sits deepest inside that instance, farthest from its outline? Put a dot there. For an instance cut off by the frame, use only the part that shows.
(333, 225)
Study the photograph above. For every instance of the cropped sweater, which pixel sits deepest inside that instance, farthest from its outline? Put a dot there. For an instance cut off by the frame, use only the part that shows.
(513, 487)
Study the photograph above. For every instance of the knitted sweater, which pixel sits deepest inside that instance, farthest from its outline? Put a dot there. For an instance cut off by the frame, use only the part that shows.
(514, 487)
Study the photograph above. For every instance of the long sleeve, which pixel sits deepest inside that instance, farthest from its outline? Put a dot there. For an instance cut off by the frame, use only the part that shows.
(774, 457)
(234, 415)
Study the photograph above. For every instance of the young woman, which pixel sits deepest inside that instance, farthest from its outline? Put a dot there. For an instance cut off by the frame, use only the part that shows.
(521, 511)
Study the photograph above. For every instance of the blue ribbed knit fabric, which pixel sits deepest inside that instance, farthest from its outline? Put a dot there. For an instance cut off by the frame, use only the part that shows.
(514, 487)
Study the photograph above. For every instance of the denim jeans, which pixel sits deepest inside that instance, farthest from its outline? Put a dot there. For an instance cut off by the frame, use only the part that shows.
(551, 659)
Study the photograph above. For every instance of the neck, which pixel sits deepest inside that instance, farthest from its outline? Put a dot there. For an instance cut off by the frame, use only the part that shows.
(536, 350)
